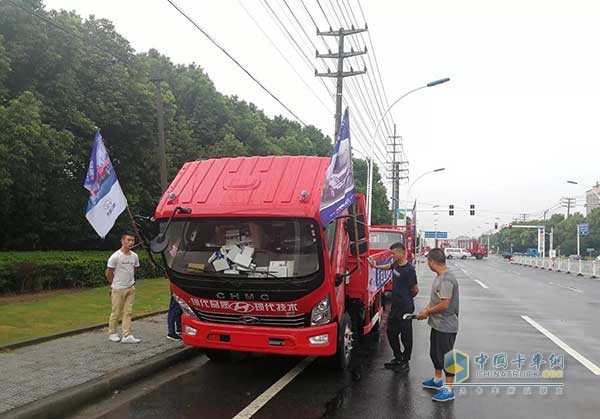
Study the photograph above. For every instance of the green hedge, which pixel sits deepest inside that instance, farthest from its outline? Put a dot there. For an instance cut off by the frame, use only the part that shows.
(22, 272)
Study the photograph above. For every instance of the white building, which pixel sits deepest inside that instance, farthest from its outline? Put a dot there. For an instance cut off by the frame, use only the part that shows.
(591, 199)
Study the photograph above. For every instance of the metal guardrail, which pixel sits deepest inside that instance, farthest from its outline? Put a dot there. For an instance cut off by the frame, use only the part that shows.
(589, 268)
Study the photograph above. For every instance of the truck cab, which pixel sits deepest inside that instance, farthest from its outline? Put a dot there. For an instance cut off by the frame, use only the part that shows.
(253, 268)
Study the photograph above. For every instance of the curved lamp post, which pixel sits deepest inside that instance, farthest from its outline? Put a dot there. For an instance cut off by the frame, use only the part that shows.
(372, 150)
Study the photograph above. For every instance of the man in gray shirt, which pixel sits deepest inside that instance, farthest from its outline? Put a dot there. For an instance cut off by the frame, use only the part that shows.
(442, 312)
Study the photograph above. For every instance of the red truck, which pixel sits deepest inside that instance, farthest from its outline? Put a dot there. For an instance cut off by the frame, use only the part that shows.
(252, 267)
(383, 236)
(477, 249)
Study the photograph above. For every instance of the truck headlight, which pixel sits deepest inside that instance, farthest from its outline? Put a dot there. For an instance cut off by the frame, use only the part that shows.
(185, 308)
(321, 313)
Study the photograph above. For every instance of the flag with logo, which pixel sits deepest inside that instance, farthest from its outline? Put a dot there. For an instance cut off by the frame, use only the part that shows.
(338, 188)
(107, 200)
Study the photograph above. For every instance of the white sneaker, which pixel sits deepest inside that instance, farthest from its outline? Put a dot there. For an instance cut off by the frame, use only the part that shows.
(114, 337)
(130, 339)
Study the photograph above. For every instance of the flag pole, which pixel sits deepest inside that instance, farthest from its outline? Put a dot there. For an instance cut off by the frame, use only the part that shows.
(356, 238)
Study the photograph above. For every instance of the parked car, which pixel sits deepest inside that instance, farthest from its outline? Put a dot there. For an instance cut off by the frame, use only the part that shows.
(575, 257)
(507, 255)
(456, 253)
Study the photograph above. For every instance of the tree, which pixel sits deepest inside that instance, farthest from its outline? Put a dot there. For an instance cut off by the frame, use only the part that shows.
(55, 88)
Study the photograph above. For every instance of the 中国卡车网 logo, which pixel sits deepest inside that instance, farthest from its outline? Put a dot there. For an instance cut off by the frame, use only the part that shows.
(457, 363)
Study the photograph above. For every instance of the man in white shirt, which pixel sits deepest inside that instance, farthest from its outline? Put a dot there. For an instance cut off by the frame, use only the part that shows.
(120, 274)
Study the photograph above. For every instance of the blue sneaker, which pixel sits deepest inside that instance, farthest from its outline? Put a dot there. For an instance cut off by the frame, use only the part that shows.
(444, 395)
(432, 384)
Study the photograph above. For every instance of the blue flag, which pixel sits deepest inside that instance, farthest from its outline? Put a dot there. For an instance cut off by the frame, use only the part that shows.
(338, 188)
(107, 200)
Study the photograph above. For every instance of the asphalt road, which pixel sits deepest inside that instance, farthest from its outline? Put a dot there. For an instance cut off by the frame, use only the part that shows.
(503, 309)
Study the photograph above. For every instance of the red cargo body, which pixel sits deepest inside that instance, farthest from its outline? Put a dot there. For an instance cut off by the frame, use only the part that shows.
(297, 293)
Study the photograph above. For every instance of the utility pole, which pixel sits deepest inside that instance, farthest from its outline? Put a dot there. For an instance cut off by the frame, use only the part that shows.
(568, 203)
(340, 74)
(395, 174)
(162, 154)
(578, 241)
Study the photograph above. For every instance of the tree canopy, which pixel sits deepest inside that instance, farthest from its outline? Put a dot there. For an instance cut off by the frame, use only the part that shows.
(565, 234)
(56, 86)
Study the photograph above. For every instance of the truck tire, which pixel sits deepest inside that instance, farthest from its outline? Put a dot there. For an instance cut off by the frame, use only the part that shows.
(345, 343)
(478, 257)
(218, 355)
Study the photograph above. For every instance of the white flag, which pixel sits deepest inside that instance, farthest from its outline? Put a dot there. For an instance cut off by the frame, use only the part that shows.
(107, 200)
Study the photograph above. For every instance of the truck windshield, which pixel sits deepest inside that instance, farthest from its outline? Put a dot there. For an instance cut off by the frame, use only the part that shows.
(256, 248)
(384, 239)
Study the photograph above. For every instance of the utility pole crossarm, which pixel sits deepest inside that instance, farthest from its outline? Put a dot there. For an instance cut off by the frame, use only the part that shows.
(342, 74)
(344, 54)
(341, 31)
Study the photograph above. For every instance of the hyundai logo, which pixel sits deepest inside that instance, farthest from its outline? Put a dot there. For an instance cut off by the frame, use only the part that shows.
(249, 319)
(242, 307)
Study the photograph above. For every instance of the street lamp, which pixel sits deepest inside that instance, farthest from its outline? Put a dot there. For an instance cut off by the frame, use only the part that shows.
(372, 150)
(441, 169)
(572, 182)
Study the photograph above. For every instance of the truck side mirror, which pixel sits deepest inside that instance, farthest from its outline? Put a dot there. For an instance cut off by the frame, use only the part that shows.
(339, 278)
(159, 244)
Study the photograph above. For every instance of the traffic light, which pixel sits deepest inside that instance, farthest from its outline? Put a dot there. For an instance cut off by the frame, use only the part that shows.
(472, 209)
(451, 209)
(495, 226)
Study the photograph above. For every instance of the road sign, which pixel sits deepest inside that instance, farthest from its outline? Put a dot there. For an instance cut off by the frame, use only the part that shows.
(436, 234)
(583, 229)
(590, 249)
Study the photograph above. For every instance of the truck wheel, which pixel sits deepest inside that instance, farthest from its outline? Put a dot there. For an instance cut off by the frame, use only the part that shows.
(478, 257)
(345, 342)
(218, 355)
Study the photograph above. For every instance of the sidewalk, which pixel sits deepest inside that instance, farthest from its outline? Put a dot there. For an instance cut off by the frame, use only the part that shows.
(31, 373)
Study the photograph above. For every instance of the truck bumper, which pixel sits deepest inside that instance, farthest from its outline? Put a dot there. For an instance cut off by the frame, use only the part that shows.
(276, 340)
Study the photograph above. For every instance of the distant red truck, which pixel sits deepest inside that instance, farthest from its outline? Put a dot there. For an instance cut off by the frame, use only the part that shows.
(252, 267)
(383, 236)
(473, 246)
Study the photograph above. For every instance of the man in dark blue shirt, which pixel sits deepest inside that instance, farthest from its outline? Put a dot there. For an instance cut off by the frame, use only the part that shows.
(404, 289)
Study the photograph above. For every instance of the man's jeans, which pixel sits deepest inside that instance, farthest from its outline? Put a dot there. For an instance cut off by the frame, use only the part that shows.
(174, 317)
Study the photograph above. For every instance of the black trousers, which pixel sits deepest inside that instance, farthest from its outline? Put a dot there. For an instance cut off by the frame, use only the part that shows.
(399, 329)
(440, 344)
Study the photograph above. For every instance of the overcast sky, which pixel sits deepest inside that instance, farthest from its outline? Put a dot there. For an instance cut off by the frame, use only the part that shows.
(517, 120)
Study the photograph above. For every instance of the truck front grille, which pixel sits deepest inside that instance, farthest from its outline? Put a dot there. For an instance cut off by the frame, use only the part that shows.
(297, 320)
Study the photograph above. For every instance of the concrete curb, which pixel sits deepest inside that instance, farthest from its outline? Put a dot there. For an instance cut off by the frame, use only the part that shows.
(67, 401)
(71, 332)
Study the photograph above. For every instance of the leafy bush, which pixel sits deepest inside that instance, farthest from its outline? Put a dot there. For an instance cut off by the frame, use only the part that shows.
(22, 272)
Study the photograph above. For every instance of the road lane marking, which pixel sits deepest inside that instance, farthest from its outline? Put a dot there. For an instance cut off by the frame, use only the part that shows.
(565, 287)
(476, 280)
(582, 359)
(269, 393)
(481, 283)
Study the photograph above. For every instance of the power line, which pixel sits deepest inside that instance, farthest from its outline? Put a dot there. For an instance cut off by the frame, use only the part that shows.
(283, 28)
(215, 43)
(283, 56)
(324, 14)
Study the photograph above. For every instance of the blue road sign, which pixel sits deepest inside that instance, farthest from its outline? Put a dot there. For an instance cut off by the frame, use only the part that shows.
(432, 234)
(583, 229)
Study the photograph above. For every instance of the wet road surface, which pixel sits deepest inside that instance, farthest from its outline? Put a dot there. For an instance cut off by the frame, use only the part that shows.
(494, 297)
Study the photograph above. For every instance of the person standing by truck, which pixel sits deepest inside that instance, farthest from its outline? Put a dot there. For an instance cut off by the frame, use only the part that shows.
(442, 312)
(404, 289)
(120, 274)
